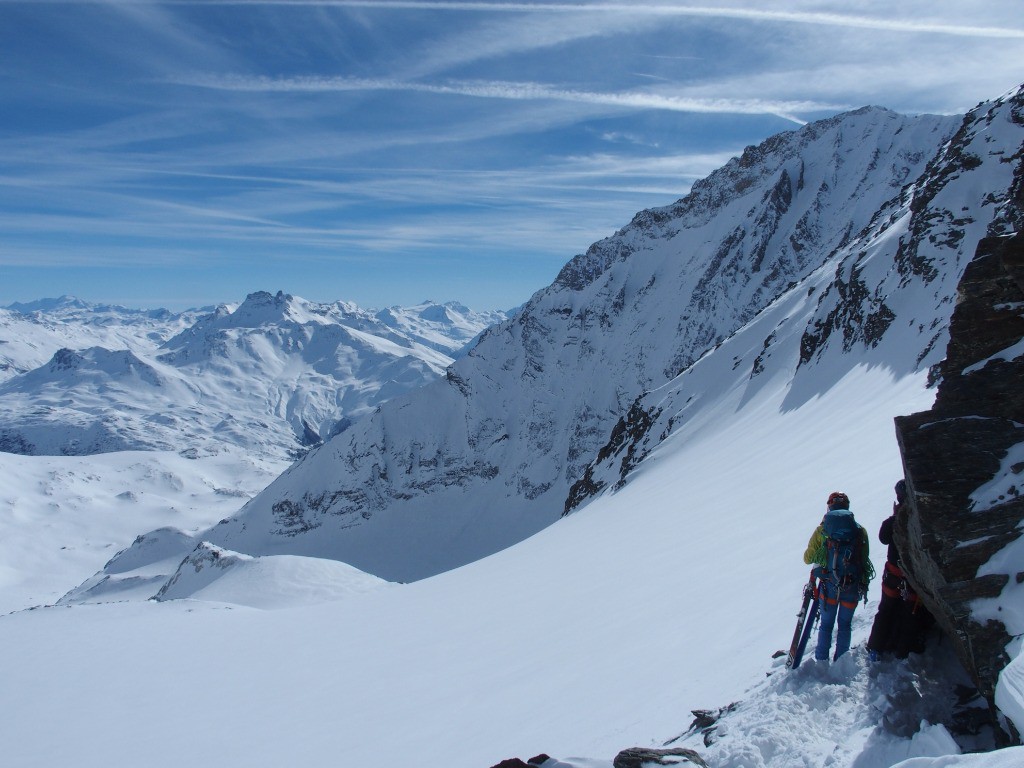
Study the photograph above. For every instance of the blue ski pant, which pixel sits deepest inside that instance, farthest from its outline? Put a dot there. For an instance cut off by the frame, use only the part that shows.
(834, 605)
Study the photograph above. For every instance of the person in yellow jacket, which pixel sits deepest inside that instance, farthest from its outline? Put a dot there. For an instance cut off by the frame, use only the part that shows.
(839, 548)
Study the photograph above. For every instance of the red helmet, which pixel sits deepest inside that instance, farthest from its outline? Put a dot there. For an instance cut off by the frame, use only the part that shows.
(837, 500)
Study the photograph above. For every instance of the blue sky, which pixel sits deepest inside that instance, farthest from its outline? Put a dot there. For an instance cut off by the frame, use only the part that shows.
(179, 154)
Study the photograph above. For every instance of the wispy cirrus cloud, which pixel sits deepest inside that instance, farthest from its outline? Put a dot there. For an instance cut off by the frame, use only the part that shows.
(558, 207)
(849, 20)
(786, 109)
(501, 137)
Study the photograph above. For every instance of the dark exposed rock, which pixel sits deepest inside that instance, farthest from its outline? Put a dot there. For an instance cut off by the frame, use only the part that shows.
(642, 757)
(13, 442)
(705, 718)
(952, 450)
(859, 315)
(515, 762)
(310, 437)
(626, 439)
(291, 519)
(705, 721)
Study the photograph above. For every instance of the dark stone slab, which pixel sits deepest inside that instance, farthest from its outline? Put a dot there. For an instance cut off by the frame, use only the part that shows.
(641, 757)
(958, 446)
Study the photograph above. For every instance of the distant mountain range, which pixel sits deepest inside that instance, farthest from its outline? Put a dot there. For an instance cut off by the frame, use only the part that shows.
(276, 374)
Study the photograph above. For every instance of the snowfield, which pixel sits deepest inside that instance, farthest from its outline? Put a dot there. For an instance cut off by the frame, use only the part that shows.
(63, 517)
(601, 632)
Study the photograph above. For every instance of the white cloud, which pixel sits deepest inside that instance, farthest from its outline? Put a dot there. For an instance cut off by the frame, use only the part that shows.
(918, 79)
(850, 20)
(543, 139)
(786, 109)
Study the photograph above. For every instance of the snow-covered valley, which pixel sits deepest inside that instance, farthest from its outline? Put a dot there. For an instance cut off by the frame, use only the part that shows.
(601, 632)
(63, 517)
(712, 372)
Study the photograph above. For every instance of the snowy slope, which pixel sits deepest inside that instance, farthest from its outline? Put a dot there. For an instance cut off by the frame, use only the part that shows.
(217, 575)
(464, 467)
(63, 517)
(601, 631)
(274, 375)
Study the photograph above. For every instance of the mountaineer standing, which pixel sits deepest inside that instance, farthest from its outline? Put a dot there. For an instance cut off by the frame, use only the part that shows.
(839, 548)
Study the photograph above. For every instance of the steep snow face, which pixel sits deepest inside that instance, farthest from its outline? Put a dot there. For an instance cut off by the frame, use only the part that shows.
(277, 374)
(895, 281)
(470, 465)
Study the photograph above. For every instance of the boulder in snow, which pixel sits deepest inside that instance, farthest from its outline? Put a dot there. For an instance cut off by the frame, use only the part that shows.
(641, 757)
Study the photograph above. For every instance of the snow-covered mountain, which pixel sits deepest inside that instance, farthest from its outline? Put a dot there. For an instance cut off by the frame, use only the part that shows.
(30, 333)
(886, 294)
(275, 374)
(469, 465)
(607, 628)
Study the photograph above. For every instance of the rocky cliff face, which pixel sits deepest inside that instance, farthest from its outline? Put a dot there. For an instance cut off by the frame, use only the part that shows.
(964, 463)
(884, 297)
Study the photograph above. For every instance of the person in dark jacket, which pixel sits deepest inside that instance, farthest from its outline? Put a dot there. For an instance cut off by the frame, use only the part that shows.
(901, 621)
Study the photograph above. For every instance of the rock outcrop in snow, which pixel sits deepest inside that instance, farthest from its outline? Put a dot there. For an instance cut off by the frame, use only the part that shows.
(153, 568)
(214, 574)
(964, 460)
(639, 757)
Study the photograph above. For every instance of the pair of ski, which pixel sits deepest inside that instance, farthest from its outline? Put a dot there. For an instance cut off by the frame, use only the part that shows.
(805, 621)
